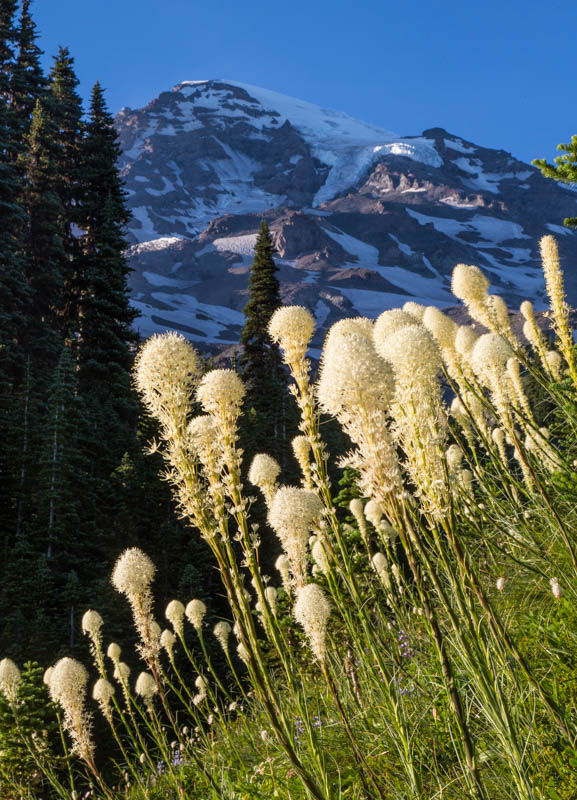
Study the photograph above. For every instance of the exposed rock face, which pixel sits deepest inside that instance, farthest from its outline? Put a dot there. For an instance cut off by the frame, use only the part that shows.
(363, 219)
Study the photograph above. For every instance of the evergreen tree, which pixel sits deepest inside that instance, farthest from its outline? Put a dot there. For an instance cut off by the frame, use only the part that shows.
(8, 38)
(19, 775)
(564, 169)
(13, 289)
(47, 261)
(28, 82)
(106, 316)
(64, 107)
(261, 362)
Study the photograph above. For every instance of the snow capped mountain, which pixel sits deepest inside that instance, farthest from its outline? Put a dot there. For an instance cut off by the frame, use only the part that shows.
(363, 218)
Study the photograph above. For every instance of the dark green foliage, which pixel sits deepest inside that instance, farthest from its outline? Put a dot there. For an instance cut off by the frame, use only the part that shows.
(262, 369)
(31, 720)
(27, 81)
(105, 319)
(564, 169)
(64, 107)
(46, 257)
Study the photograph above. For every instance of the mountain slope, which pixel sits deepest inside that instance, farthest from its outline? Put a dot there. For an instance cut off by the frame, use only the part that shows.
(363, 219)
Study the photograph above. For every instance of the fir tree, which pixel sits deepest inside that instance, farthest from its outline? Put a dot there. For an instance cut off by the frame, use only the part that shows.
(564, 169)
(260, 360)
(47, 260)
(64, 107)
(13, 289)
(8, 37)
(19, 775)
(28, 82)
(106, 316)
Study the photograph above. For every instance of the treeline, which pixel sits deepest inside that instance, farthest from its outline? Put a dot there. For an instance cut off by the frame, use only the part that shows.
(75, 488)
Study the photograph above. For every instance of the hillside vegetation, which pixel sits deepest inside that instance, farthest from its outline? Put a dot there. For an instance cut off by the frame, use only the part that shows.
(417, 637)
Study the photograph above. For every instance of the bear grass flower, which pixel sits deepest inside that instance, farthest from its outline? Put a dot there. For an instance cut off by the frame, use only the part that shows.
(113, 652)
(415, 310)
(92, 623)
(391, 321)
(263, 472)
(374, 513)
(68, 688)
(319, 555)
(174, 613)
(133, 572)
(103, 692)
(10, 679)
(468, 283)
(166, 370)
(352, 376)
(302, 449)
(167, 642)
(292, 515)
(312, 610)
(195, 613)
(282, 564)
(145, 686)
(220, 393)
(222, 631)
(292, 328)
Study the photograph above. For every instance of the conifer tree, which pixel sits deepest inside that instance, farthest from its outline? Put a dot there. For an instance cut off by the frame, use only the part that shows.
(28, 82)
(46, 258)
(64, 107)
(19, 775)
(8, 38)
(260, 360)
(13, 289)
(106, 316)
(564, 169)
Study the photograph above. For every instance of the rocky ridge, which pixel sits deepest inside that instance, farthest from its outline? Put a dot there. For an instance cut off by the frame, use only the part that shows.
(363, 219)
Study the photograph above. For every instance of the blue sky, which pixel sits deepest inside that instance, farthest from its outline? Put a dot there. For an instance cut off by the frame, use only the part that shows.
(501, 74)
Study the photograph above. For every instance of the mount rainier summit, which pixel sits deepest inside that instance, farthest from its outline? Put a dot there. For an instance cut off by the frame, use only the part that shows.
(363, 219)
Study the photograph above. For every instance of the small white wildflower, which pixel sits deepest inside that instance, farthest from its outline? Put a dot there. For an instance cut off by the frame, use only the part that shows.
(10, 679)
(113, 651)
(166, 370)
(92, 623)
(465, 339)
(292, 328)
(68, 689)
(168, 641)
(133, 572)
(121, 672)
(221, 392)
(468, 282)
(263, 473)
(195, 613)
(374, 513)
(292, 514)
(500, 584)
(271, 595)
(222, 631)
(312, 610)
(243, 653)
(282, 565)
(415, 310)
(145, 686)
(319, 555)
(174, 613)
(391, 321)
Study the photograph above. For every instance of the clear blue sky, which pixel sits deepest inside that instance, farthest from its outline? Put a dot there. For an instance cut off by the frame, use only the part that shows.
(501, 73)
